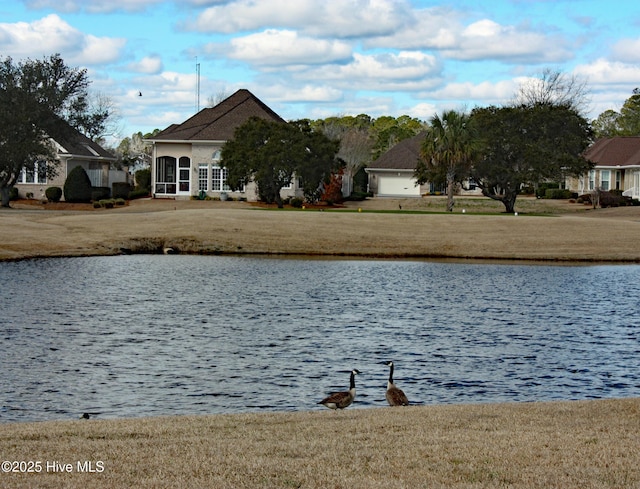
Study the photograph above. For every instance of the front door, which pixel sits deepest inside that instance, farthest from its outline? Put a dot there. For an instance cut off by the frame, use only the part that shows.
(184, 176)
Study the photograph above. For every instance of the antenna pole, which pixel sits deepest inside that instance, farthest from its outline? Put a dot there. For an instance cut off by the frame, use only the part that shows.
(197, 86)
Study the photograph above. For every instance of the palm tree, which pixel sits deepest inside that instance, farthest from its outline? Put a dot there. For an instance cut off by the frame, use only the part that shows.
(447, 151)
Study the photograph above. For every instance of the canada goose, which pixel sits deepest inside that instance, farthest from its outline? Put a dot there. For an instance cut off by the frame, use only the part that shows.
(395, 396)
(341, 400)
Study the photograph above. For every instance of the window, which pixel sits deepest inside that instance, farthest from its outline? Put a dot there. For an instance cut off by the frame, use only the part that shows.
(592, 180)
(219, 179)
(203, 177)
(618, 179)
(605, 179)
(37, 174)
(166, 175)
(184, 177)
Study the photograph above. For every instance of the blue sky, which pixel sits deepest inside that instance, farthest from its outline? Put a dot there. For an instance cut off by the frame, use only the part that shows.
(320, 58)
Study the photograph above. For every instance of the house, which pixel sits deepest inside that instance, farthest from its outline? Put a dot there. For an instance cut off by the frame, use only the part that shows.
(617, 167)
(392, 175)
(72, 149)
(186, 158)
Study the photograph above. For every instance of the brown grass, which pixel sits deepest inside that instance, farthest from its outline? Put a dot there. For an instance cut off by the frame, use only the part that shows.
(543, 230)
(567, 445)
(580, 444)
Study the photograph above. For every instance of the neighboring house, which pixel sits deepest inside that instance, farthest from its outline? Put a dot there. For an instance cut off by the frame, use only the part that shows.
(617, 167)
(74, 149)
(186, 158)
(392, 175)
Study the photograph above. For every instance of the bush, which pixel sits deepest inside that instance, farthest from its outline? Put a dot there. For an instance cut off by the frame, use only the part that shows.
(143, 180)
(77, 186)
(138, 193)
(53, 194)
(613, 199)
(296, 202)
(541, 189)
(584, 199)
(558, 193)
(100, 193)
(13, 193)
(121, 190)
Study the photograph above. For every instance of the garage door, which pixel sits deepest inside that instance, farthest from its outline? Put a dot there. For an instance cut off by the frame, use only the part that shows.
(397, 185)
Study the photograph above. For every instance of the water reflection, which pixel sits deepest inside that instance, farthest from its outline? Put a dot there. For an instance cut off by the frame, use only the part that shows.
(155, 335)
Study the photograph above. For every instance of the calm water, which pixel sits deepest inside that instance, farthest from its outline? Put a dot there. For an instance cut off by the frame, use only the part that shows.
(156, 335)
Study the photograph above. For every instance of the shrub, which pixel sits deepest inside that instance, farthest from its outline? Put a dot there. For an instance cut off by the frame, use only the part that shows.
(138, 193)
(296, 202)
(100, 193)
(541, 189)
(121, 190)
(53, 194)
(77, 186)
(13, 193)
(557, 193)
(107, 203)
(120, 201)
(612, 199)
(585, 198)
(143, 180)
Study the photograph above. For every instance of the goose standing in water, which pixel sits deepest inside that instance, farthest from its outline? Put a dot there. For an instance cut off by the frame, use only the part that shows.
(395, 396)
(341, 400)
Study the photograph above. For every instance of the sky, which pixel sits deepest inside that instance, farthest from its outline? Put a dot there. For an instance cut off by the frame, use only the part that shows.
(320, 58)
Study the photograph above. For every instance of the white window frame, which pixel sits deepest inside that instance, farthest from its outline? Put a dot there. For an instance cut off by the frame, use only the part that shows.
(203, 177)
(605, 179)
(38, 176)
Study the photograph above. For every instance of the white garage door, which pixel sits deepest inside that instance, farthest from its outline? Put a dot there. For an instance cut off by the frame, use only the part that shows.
(397, 185)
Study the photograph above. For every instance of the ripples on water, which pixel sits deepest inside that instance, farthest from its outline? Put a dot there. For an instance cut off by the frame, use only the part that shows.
(161, 335)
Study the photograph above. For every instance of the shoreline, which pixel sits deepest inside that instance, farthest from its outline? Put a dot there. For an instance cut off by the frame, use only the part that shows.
(568, 235)
(569, 444)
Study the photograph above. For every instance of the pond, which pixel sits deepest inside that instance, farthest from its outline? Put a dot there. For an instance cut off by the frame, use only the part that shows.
(148, 335)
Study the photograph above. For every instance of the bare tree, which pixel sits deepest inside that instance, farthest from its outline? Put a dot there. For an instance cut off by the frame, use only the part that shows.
(218, 97)
(554, 88)
(355, 150)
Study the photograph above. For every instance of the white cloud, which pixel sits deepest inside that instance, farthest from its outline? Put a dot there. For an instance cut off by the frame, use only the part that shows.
(151, 65)
(627, 50)
(487, 39)
(304, 93)
(285, 47)
(488, 92)
(407, 70)
(92, 6)
(51, 34)
(337, 18)
(603, 72)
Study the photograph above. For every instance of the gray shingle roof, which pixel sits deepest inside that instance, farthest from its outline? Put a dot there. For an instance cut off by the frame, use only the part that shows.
(403, 156)
(77, 144)
(616, 151)
(219, 123)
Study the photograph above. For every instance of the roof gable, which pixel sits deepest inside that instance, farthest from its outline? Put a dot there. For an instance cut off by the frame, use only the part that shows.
(72, 142)
(403, 156)
(220, 122)
(616, 151)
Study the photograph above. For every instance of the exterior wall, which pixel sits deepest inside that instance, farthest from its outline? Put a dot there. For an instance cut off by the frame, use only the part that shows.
(607, 178)
(98, 172)
(204, 158)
